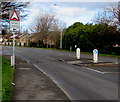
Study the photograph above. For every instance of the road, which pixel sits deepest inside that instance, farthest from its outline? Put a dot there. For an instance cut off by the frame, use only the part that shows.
(78, 83)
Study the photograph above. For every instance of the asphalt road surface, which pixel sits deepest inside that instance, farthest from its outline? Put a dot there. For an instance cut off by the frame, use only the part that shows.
(78, 83)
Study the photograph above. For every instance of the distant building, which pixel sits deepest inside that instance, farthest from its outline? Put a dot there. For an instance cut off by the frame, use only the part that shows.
(20, 39)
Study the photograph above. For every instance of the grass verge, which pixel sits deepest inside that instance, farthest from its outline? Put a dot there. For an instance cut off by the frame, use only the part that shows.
(109, 55)
(7, 78)
(0, 78)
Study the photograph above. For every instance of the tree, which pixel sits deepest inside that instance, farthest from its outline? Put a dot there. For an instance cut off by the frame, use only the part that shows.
(6, 7)
(88, 37)
(110, 15)
(46, 29)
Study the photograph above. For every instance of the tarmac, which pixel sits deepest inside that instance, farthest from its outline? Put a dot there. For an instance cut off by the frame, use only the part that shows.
(30, 84)
(100, 66)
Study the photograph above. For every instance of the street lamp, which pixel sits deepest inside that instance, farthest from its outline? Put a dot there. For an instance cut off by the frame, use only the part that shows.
(55, 7)
(61, 39)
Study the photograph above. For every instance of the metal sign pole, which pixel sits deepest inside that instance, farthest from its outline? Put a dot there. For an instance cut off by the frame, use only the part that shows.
(14, 27)
(13, 48)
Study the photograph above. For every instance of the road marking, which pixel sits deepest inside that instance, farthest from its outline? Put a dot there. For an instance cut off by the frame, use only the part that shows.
(94, 70)
(25, 68)
(101, 71)
(40, 70)
(27, 61)
(111, 72)
(53, 79)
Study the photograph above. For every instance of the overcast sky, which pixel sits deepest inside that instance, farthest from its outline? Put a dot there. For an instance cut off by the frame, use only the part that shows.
(68, 12)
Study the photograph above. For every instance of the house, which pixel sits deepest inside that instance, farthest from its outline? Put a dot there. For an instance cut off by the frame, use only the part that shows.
(20, 39)
(24, 39)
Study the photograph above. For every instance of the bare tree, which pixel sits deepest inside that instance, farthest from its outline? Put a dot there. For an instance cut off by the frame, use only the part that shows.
(110, 15)
(47, 29)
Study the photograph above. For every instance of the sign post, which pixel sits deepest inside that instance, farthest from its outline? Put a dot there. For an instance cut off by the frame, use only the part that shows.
(14, 27)
(95, 56)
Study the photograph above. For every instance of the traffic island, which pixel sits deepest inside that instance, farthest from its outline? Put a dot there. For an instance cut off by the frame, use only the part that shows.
(88, 62)
(100, 67)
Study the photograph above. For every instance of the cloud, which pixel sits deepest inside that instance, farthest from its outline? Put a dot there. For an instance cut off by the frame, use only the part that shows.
(70, 12)
(66, 12)
(74, 14)
(29, 20)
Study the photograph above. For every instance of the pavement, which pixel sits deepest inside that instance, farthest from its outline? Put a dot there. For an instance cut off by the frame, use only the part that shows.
(31, 84)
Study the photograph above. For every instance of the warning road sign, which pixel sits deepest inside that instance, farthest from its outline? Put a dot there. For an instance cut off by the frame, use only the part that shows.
(14, 16)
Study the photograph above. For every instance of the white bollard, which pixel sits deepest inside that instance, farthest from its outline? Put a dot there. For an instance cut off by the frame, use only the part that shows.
(22, 44)
(75, 46)
(10, 43)
(78, 53)
(95, 56)
(18, 44)
(6, 43)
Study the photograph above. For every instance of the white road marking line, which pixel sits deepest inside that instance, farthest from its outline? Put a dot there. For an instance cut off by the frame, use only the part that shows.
(53, 79)
(111, 72)
(40, 70)
(94, 70)
(27, 61)
(100, 71)
(25, 68)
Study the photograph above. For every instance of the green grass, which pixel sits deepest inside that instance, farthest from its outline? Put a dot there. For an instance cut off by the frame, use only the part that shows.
(7, 78)
(0, 78)
(109, 55)
(57, 49)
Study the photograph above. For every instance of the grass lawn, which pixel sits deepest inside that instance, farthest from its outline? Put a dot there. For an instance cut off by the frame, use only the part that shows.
(7, 78)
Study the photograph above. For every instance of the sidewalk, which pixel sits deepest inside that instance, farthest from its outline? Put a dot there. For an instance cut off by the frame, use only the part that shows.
(32, 84)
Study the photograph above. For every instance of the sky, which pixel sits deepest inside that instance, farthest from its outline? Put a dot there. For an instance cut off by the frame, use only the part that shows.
(67, 12)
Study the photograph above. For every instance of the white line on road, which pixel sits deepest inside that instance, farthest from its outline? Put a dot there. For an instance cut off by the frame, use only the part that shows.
(94, 70)
(53, 79)
(111, 72)
(27, 61)
(40, 70)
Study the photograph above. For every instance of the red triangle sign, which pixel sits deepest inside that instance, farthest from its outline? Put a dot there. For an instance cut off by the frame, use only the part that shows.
(14, 16)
